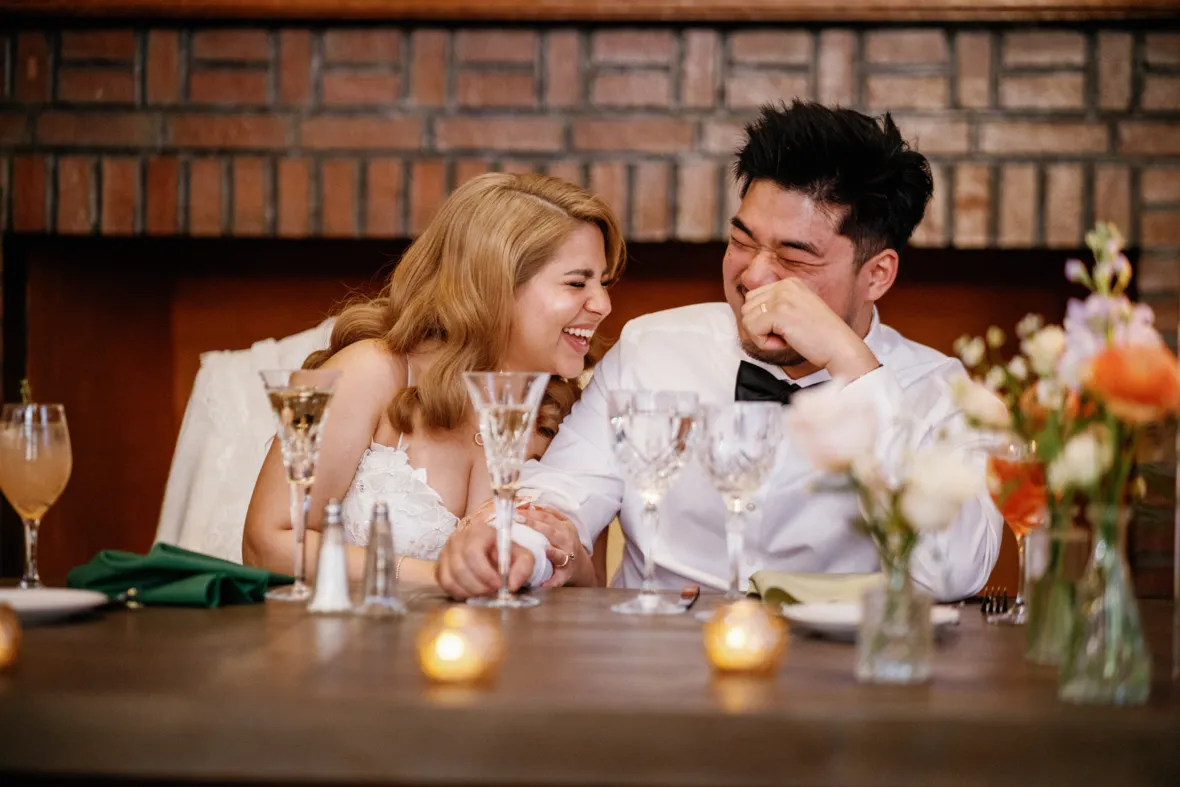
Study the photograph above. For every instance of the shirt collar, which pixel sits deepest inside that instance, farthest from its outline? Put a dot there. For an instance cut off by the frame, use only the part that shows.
(874, 339)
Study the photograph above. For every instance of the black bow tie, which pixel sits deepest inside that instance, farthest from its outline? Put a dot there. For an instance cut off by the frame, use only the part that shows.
(755, 384)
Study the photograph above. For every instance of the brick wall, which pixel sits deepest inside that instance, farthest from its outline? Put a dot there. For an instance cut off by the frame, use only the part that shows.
(1034, 133)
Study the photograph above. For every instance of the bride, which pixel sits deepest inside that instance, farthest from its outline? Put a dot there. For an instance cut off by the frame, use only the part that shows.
(511, 274)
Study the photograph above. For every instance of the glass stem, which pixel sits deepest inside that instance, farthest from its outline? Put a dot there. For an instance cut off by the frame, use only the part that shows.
(1020, 580)
(32, 577)
(735, 537)
(651, 523)
(505, 501)
(300, 500)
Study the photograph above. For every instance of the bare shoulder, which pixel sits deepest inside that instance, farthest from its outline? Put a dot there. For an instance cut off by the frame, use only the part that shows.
(369, 366)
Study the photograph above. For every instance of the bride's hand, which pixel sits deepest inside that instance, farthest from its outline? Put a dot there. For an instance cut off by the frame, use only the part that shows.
(571, 562)
(467, 564)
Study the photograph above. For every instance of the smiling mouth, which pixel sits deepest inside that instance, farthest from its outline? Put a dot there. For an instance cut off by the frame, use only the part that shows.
(578, 337)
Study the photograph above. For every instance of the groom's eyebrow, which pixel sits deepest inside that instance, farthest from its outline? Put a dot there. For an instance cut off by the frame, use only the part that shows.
(800, 245)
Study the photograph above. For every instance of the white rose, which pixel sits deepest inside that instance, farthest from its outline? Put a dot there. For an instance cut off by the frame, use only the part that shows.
(1044, 349)
(979, 404)
(1085, 457)
(832, 426)
(972, 352)
(1018, 367)
(938, 483)
(1028, 325)
(994, 379)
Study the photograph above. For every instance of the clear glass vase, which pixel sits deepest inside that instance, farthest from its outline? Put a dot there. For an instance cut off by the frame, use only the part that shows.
(1107, 661)
(1054, 561)
(895, 638)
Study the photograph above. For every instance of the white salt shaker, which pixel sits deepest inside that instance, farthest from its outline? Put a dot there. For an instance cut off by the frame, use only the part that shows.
(331, 585)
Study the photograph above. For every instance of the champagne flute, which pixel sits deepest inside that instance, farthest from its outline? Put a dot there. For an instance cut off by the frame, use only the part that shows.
(35, 464)
(1016, 483)
(738, 444)
(507, 406)
(652, 434)
(299, 400)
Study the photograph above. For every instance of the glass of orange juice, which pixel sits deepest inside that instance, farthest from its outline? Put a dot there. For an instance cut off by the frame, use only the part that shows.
(35, 464)
(1016, 482)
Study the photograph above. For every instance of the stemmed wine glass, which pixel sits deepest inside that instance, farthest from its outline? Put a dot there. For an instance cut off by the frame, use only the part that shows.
(35, 464)
(737, 448)
(652, 434)
(507, 405)
(299, 400)
(1016, 482)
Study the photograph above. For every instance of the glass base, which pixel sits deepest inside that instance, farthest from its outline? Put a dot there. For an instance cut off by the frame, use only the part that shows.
(648, 604)
(1017, 616)
(381, 608)
(300, 591)
(30, 584)
(508, 601)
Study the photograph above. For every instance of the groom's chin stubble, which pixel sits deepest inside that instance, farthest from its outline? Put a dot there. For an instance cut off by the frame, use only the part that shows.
(786, 357)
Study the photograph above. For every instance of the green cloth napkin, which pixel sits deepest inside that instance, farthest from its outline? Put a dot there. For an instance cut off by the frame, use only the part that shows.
(171, 576)
(782, 587)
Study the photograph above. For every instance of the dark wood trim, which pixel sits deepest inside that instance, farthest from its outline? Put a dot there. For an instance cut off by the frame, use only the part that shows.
(15, 348)
(607, 10)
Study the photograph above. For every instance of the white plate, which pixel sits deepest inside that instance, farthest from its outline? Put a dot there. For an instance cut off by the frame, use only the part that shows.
(840, 621)
(42, 604)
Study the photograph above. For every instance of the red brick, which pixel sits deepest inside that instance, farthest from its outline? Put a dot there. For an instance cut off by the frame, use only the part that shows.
(362, 45)
(563, 64)
(1062, 90)
(570, 171)
(698, 81)
(1160, 184)
(1063, 205)
(1042, 137)
(721, 136)
(696, 200)
(13, 129)
(496, 89)
(161, 203)
(496, 46)
(889, 91)
(973, 56)
(931, 232)
(120, 195)
(906, 46)
(91, 84)
(427, 192)
(935, 136)
(652, 187)
(32, 68)
(731, 195)
(227, 131)
(240, 44)
(652, 135)
(1114, 72)
(342, 88)
(338, 189)
(608, 179)
(428, 68)
(1149, 139)
(1160, 228)
(1161, 93)
(1112, 194)
(632, 89)
(383, 212)
(163, 67)
(1056, 48)
(98, 45)
(540, 134)
(75, 195)
(972, 205)
(518, 167)
(250, 187)
(468, 168)
(1162, 49)
(204, 196)
(28, 193)
(294, 67)
(1018, 206)
(632, 47)
(294, 197)
(749, 89)
(836, 78)
(773, 47)
(103, 129)
(362, 133)
(1158, 271)
(227, 87)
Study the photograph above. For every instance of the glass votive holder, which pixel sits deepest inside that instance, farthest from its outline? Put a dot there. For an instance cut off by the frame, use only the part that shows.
(460, 645)
(10, 635)
(895, 638)
(743, 637)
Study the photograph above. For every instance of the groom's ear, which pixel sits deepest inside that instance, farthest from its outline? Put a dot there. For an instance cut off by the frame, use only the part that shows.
(877, 275)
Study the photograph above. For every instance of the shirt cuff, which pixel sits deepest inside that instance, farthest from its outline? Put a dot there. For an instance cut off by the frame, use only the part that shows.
(534, 542)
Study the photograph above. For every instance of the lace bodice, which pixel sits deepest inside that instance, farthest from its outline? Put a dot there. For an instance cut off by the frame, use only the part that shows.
(421, 523)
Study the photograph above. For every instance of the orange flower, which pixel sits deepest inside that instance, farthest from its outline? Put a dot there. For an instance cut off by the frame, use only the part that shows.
(1036, 415)
(1138, 384)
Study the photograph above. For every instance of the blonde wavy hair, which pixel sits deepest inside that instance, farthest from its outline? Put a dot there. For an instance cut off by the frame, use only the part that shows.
(457, 283)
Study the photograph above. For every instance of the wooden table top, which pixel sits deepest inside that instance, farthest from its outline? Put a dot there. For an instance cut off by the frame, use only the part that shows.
(268, 692)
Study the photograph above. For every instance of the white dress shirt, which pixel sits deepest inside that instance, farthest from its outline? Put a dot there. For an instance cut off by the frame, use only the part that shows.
(696, 348)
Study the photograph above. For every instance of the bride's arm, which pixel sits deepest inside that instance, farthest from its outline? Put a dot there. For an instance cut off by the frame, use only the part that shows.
(370, 378)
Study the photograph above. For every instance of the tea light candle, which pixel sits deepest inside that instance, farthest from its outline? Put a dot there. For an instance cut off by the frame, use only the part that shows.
(9, 637)
(744, 637)
(460, 646)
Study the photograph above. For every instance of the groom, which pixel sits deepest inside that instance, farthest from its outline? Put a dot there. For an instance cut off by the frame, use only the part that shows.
(829, 198)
